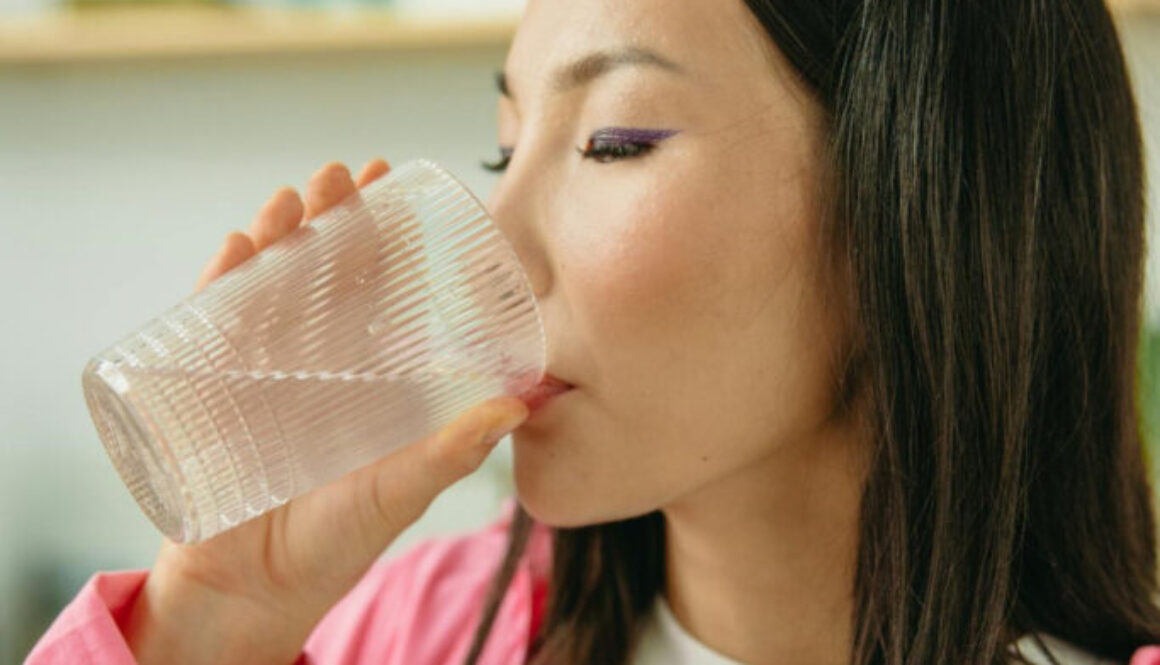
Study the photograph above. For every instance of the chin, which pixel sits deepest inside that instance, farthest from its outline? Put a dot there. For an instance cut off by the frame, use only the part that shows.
(553, 507)
(553, 501)
(565, 481)
(548, 484)
(568, 504)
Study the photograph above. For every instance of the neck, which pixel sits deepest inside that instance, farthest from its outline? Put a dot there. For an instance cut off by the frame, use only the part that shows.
(760, 564)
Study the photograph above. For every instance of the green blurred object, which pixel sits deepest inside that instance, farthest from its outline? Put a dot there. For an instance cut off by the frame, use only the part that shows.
(1150, 389)
(92, 4)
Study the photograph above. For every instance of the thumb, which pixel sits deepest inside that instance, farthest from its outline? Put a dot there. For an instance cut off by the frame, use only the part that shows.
(403, 484)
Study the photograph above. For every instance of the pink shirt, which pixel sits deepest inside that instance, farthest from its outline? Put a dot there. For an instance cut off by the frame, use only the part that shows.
(420, 608)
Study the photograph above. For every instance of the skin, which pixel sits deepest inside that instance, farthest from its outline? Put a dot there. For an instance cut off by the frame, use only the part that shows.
(684, 294)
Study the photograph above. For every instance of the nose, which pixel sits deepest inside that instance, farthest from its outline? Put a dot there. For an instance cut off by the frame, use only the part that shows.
(514, 205)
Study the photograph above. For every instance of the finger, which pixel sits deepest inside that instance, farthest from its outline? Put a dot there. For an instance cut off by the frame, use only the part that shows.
(401, 486)
(280, 215)
(327, 187)
(374, 169)
(235, 249)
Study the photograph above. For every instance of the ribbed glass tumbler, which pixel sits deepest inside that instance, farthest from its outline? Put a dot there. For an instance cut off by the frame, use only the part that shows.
(366, 329)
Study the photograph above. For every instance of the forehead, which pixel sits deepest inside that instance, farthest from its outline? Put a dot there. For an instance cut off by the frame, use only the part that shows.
(717, 42)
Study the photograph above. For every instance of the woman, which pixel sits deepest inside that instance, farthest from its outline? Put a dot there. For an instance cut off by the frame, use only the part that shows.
(846, 295)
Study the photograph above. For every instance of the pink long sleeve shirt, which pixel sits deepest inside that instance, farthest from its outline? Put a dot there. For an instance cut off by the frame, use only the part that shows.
(416, 609)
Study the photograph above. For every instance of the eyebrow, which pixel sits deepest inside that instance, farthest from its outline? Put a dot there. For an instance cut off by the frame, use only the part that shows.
(589, 67)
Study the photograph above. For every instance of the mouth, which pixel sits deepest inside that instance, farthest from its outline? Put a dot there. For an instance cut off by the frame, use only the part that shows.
(543, 392)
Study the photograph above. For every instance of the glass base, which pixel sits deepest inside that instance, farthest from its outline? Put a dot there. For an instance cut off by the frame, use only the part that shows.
(139, 458)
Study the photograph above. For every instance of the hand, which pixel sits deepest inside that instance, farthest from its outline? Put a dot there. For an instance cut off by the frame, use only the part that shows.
(254, 593)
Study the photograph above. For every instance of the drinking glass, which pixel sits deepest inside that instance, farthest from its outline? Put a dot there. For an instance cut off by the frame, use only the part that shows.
(366, 329)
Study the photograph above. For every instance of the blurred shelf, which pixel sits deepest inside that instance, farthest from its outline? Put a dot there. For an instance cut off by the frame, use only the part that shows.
(110, 33)
(126, 32)
(1150, 6)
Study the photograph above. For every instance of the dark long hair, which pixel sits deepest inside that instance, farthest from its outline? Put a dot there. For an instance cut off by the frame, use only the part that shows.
(986, 162)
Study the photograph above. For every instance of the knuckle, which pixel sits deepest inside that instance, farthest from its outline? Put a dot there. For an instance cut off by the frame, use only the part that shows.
(276, 200)
(236, 243)
(385, 510)
(329, 171)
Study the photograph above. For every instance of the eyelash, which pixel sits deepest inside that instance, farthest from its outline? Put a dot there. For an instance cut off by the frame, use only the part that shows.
(601, 150)
(505, 157)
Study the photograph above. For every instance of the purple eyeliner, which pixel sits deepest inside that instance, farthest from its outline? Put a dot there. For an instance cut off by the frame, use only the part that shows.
(632, 135)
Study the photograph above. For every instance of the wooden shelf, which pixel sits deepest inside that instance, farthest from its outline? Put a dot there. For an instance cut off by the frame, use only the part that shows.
(1150, 6)
(109, 33)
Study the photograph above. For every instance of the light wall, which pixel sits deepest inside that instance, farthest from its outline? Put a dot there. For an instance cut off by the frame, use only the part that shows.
(1141, 38)
(117, 183)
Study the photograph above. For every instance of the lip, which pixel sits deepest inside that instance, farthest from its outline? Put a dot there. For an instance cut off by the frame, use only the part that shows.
(543, 392)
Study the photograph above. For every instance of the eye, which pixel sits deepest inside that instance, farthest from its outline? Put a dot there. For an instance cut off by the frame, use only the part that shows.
(615, 143)
(604, 152)
(500, 165)
(606, 145)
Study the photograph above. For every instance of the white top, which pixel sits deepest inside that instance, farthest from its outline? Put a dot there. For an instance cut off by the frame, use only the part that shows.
(665, 642)
(1065, 652)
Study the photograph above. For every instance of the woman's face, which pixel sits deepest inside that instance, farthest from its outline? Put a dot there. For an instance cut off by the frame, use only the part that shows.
(678, 267)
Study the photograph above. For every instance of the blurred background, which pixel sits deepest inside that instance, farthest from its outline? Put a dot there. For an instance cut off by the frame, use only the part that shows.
(135, 135)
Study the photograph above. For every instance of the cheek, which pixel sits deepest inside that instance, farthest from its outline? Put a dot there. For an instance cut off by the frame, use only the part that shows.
(694, 302)
(689, 293)
(638, 254)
